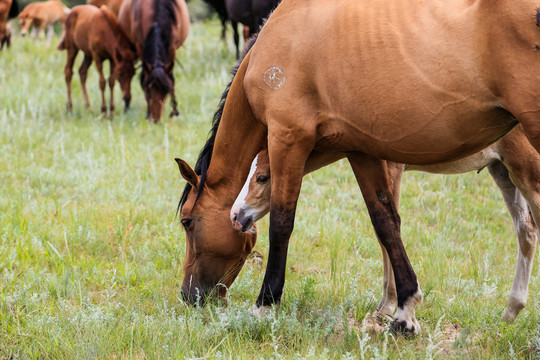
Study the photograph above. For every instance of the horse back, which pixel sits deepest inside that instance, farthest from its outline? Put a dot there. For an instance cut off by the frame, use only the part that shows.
(366, 67)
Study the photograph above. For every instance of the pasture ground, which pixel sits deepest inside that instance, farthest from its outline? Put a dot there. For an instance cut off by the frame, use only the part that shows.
(91, 251)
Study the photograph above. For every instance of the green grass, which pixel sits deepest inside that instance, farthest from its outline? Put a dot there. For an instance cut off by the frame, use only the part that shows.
(91, 252)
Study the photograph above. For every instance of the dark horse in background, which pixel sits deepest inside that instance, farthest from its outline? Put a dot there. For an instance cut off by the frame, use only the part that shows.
(251, 13)
(157, 28)
(221, 10)
(8, 9)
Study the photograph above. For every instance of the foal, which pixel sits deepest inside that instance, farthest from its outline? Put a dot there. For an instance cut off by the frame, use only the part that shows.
(512, 162)
(42, 14)
(97, 33)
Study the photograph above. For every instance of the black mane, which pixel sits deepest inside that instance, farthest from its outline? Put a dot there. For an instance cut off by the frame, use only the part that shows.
(203, 162)
(158, 43)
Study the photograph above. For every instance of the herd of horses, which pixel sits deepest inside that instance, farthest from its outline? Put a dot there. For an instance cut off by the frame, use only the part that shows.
(442, 86)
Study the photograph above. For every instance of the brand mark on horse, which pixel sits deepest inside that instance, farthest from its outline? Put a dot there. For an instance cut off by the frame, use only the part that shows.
(274, 77)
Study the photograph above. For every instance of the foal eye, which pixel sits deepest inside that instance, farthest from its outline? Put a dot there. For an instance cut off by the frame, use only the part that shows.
(186, 223)
(261, 179)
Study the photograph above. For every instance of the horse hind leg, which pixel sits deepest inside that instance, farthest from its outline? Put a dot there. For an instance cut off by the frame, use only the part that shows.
(522, 211)
(68, 74)
(376, 186)
(83, 73)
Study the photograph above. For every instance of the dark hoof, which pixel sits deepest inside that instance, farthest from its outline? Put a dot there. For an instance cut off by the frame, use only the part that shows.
(401, 327)
(174, 113)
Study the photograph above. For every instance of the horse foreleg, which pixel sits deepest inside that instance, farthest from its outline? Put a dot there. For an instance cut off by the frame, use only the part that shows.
(388, 304)
(376, 186)
(68, 73)
(83, 72)
(50, 33)
(174, 104)
(286, 183)
(42, 26)
(111, 86)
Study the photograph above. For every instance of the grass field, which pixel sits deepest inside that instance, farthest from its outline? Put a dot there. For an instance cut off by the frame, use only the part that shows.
(91, 251)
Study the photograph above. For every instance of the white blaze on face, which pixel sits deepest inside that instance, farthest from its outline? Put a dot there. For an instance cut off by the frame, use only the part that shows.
(240, 200)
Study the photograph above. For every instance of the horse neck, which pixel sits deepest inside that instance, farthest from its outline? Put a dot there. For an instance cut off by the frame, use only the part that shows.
(239, 138)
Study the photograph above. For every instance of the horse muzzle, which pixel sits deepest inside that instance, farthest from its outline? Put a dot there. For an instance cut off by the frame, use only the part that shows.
(242, 221)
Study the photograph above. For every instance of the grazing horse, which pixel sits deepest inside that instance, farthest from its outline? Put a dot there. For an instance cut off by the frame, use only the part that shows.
(219, 7)
(114, 5)
(97, 34)
(8, 9)
(251, 13)
(157, 28)
(42, 14)
(408, 81)
(512, 162)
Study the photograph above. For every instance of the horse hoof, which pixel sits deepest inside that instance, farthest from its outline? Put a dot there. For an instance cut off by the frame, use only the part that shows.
(405, 328)
(174, 113)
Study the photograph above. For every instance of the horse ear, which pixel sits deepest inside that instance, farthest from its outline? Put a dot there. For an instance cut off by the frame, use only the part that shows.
(188, 174)
(168, 67)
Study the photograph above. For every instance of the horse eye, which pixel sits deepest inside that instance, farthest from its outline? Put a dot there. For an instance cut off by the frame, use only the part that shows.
(186, 223)
(261, 179)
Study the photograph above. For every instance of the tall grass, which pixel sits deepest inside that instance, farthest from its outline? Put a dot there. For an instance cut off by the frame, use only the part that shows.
(91, 252)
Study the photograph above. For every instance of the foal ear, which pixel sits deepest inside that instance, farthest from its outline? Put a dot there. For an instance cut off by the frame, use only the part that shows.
(188, 174)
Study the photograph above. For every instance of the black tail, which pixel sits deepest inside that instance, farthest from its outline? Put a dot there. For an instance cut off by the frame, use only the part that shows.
(14, 10)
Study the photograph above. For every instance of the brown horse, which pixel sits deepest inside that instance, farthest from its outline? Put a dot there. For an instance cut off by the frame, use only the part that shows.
(512, 162)
(157, 28)
(8, 9)
(114, 5)
(97, 34)
(42, 14)
(409, 81)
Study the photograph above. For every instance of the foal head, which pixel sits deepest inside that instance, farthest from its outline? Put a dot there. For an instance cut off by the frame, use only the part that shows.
(253, 202)
(24, 22)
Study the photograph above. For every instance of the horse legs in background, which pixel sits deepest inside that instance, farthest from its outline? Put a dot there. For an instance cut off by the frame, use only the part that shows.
(83, 72)
(68, 74)
(102, 82)
(373, 178)
(525, 217)
(50, 33)
(236, 38)
(111, 87)
(174, 103)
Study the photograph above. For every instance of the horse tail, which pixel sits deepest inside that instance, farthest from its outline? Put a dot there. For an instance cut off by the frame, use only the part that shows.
(62, 44)
(14, 9)
(67, 30)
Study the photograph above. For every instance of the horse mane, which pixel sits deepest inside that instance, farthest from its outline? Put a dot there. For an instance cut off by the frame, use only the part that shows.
(157, 44)
(203, 161)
